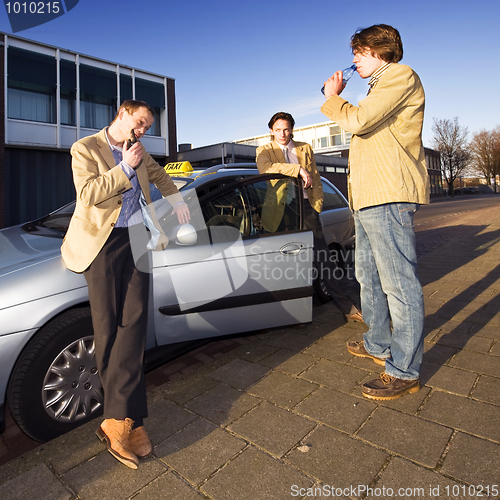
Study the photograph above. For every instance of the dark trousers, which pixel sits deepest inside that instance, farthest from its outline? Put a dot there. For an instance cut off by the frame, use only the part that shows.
(325, 267)
(118, 295)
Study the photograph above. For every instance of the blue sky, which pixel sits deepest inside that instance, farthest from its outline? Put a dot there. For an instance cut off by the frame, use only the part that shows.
(236, 62)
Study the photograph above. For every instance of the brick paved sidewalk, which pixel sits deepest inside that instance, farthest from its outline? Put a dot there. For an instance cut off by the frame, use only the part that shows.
(282, 416)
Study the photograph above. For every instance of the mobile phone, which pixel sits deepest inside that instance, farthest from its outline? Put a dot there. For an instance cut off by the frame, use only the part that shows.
(132, 141)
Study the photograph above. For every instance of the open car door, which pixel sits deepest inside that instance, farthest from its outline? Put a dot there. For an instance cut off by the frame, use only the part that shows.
(250, 267)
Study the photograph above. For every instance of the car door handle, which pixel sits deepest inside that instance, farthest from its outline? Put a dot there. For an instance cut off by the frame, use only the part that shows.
(292, 248)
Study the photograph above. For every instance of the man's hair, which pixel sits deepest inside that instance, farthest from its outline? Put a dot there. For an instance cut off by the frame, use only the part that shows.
(381, 39)
(132, 105)
(281, 115)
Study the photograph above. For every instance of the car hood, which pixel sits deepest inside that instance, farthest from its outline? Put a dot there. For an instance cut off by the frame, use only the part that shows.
(19, 249)
(31, 267)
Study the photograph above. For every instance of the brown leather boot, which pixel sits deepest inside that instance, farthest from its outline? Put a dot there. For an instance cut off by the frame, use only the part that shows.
(140, 443)
(116, 434)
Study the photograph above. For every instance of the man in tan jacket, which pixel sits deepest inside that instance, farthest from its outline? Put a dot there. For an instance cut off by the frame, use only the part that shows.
(296, 159)
(387, 182)
(111, 179)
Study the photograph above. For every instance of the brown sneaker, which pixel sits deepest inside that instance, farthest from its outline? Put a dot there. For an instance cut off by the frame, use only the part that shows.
(358, 349)
(140, 443)
(116, 434)
(387, 387)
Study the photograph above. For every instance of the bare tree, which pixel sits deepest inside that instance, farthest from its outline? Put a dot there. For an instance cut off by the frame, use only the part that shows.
(485, 150)
(450, 139)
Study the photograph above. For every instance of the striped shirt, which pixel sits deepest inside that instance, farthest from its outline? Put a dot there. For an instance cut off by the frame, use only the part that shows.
(130, 197)
(377, 75)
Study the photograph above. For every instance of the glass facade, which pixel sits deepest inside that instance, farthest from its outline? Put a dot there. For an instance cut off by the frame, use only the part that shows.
(154, 94)
(31, 86)
(97, 97)
(68, 93)
(32, 91)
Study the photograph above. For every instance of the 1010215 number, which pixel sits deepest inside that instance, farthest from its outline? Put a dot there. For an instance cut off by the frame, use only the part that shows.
(33, 7)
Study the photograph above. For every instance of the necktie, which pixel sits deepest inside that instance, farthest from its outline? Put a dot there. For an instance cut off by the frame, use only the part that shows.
(285, 154)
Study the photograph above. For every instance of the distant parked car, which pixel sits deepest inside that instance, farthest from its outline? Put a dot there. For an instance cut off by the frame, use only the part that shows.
(231, 271)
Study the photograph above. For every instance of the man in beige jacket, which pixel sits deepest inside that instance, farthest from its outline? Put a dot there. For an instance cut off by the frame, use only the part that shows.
(111, 178)
(296, 159)
(387, 182)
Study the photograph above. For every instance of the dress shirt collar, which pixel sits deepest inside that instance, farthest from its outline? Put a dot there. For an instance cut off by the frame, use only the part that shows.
(113, 148)
(378, 74)
(290, 145)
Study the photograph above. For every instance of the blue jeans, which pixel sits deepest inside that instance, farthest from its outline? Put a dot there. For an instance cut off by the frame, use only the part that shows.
(386, 269)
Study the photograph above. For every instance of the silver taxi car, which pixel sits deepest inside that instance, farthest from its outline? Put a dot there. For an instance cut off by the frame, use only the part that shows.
(238, 267)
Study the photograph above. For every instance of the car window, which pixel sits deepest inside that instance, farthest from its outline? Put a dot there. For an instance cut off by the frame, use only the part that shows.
(258, 208)
(332, 199)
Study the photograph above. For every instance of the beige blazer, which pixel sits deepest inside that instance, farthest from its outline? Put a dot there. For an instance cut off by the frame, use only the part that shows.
(386, 156)
(270, 159)
(99, 184)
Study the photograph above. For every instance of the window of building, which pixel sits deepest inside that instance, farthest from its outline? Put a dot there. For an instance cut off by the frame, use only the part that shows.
(31, 86)
(125, 87)
(68, 92)
(335, 135)
(97, 97)
(323, 142)
(154, 94)
(348, 136)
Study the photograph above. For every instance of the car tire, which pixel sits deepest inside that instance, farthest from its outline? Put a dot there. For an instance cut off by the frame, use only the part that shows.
(55, 384)
(320, 291)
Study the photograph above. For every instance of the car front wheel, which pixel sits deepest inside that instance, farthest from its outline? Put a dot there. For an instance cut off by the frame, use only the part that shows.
(55, 384)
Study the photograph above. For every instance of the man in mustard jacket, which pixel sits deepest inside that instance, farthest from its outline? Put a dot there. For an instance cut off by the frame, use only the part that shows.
(387, 182)
(296, 159)
(111, 180)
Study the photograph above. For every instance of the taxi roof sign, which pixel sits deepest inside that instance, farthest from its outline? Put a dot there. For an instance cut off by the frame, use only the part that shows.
(178, 167)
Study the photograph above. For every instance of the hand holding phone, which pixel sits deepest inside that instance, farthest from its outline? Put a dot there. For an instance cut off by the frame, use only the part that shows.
(132, 141)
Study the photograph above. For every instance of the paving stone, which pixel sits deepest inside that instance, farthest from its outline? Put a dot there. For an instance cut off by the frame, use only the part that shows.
(82, 442)
(173, 418)
(296, 364)
(435, 353)
(343, 335)
(473, 460)
(255, 475)
(492, 332)
(282, 389)
(185, 389)
(448, 378)
(199, 450)
(336, 409)
(105, 478)
(222, 404)
(408, 480)
(465, 341)
(495, 350)
(455, 327)
(239, 373)
(280, 357)
(272, 428)
(334, 351)
(289, 340)
(337, 459)
(487, 389)
(476, 362)
(481, 419)
(336, 375)
(48, 486)
(168, 486)
(254, 351)
(406, 435)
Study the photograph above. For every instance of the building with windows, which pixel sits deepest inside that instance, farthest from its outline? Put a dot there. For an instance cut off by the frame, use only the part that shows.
(329, 139)
(49, 98)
